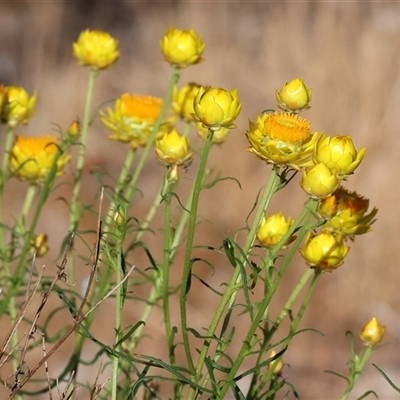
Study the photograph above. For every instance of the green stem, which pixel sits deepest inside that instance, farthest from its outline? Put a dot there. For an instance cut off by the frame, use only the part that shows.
(187, 269)
(358, 368)
(30, 194)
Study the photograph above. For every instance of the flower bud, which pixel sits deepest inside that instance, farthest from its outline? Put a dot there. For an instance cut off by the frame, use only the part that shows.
(74, 130)
(40, 245)
(324, 251)
(272, 229)
(96, 49)
(17, 107)
(294, 96)
(182, 48)
(319, 181)
(173, 175)
(173, 149)
(183, 98)
(372, 332)
(216, 108)
(339, 154)
(119, 220)
(276, 365)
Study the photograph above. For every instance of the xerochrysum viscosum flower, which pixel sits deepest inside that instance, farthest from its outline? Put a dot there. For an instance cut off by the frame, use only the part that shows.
(282, 139)
(96, 49)
(372, 332)
(173, 149)
(182, 103)
(32, 158)
(133, 119)
(216, 108)
(16, 106)
(182, 48)
(319, 181)
(272, 229)
(294, 96)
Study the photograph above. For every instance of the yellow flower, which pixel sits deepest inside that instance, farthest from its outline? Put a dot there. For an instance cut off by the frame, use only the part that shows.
(294, 96)
(277, 365)
(96, 49)
(345, 212)
(372, 332)
(339, 154)
(183, 98)
(40, 245)
(217, 108)
(182, 48)
(218, 136)
(319, 181)
(173, 149)
(272, 229)
(31, 158)
(16, 106)
(282, 139)
(74, 130)
(133, 119)
(324, 251)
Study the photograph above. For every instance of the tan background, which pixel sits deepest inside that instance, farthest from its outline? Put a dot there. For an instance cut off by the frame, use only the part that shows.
(348, 52)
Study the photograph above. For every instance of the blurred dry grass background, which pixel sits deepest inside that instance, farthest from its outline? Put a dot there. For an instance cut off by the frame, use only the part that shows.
(348, 52)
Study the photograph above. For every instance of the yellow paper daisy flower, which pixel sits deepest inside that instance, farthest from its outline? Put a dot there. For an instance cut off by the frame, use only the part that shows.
(31, 158)
(133, 119)
(282, 139)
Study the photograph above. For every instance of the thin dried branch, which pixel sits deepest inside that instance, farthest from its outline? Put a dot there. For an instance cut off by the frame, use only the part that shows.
(46, 368)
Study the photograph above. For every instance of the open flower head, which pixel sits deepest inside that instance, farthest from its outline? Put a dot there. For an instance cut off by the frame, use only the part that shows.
(339, 154)
(182, 48)
(319, 181)
(294, 96)
(133, 118)
(182, 103)
(32, 158)
(346, 212)
(372, 332)
(325, 251)
(173, 149)
(272, 229)
(96, 49)
(17, 107)
(216, 108)
(282, 139)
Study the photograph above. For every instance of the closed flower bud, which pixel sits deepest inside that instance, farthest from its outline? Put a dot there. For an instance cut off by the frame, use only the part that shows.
(32, 158)
(119, 220)
(276, 365)
(182, 48)
(272, 229)
(182, 103)
(17, 107)
(346, 213)
(173, 175)
(40, 245)
(173, 149)
(319, 181)
(74, 130)
(294, 96)
(217, 108)
(96, 49)
(339, 154)
(324, 251)
(372, 332)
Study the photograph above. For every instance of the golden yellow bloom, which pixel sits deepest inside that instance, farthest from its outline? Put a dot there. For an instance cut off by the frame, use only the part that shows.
(272, 229)
(96, 49)
(324, 251)
(183, 98)
(346, 212)
(318, 181)
(173, 149)
(294, 96)
(372, 332)
(16, 106)
(282, 139)
(133, 119)
(217, 108)
(339, 154)
(274, 364)
(74, 130)
(40, 245)
(218, 136)
(31, 158)
(182, 48)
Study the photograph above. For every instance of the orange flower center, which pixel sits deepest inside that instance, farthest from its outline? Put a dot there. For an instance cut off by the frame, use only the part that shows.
(287, 128)
(35, 145)
(146, 107)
